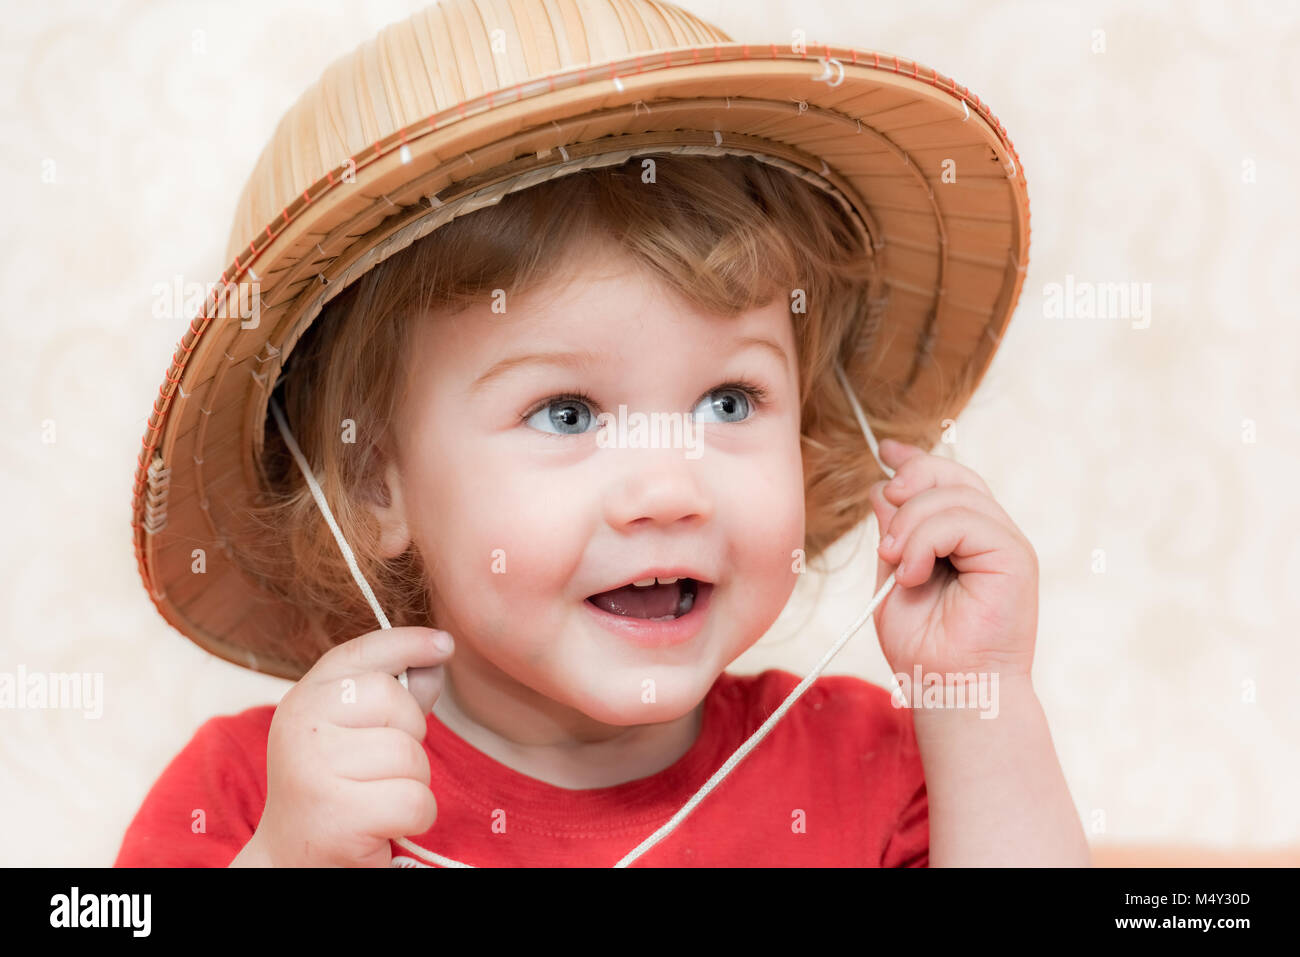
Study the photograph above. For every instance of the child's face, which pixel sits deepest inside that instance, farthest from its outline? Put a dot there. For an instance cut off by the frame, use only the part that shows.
(521, 516)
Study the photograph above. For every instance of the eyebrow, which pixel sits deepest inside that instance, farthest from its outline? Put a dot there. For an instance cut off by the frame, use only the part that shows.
(584, 359)
(566, 360)
(766, 343)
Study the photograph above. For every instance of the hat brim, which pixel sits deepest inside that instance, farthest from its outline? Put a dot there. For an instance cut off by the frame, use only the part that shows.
(882, 130)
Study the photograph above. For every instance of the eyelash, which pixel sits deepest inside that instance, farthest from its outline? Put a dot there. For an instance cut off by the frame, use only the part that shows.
(756, 394)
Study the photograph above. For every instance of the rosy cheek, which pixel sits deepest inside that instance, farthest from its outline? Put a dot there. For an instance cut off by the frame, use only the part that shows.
(783, 506)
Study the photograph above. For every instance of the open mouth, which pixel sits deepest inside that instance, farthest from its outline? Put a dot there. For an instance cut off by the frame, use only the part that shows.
(662, 601)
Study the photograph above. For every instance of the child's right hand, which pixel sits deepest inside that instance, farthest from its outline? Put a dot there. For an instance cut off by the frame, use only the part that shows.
(346, 766)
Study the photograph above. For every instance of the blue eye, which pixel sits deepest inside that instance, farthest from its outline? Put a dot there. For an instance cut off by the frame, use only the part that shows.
(567, 414)
(731, 404)
(570, 413)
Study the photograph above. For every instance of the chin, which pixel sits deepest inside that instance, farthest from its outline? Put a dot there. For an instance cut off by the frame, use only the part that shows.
(669, 704)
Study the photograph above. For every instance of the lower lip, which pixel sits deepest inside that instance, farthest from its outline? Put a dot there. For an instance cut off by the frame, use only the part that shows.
(657, 634)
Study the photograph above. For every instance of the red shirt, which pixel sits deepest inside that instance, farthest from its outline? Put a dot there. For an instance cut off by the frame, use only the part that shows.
(837, 782)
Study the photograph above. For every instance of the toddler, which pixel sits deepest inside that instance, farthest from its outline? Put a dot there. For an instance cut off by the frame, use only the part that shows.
(481, 411)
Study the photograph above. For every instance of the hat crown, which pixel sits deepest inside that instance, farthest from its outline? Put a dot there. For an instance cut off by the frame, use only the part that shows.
(447, 54)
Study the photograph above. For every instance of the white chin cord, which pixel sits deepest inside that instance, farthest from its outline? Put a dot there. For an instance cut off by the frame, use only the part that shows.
(731, 762)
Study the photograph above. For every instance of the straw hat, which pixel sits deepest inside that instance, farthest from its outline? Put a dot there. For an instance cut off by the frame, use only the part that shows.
(466, 100)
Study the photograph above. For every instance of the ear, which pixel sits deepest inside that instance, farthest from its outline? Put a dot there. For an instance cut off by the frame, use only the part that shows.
(389, 510)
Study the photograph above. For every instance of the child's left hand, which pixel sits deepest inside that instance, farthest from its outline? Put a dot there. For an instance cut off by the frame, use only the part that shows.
(982, 617)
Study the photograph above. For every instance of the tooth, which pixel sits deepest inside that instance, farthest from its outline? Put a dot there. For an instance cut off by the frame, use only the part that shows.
(644, 583)
(666, 581)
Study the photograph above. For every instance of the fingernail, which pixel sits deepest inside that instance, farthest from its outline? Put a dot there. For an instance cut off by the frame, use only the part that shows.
(887, 542)
(896, 482)
(443, 641)
(899, 572)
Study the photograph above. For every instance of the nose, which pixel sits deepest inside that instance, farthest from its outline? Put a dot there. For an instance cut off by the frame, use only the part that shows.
(656, 487)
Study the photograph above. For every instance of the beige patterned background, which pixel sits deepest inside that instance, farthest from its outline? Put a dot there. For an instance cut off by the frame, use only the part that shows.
(1167, 158)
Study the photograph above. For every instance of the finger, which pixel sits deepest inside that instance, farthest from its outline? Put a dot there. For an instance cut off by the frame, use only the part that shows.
(390, 650)
(425, 684)
(972, 541)
(884, 513)
(375, 754)
(881, 507)
(930, 502)
(395, 807)
(896, 454)
(918, 471)
(374, 700)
